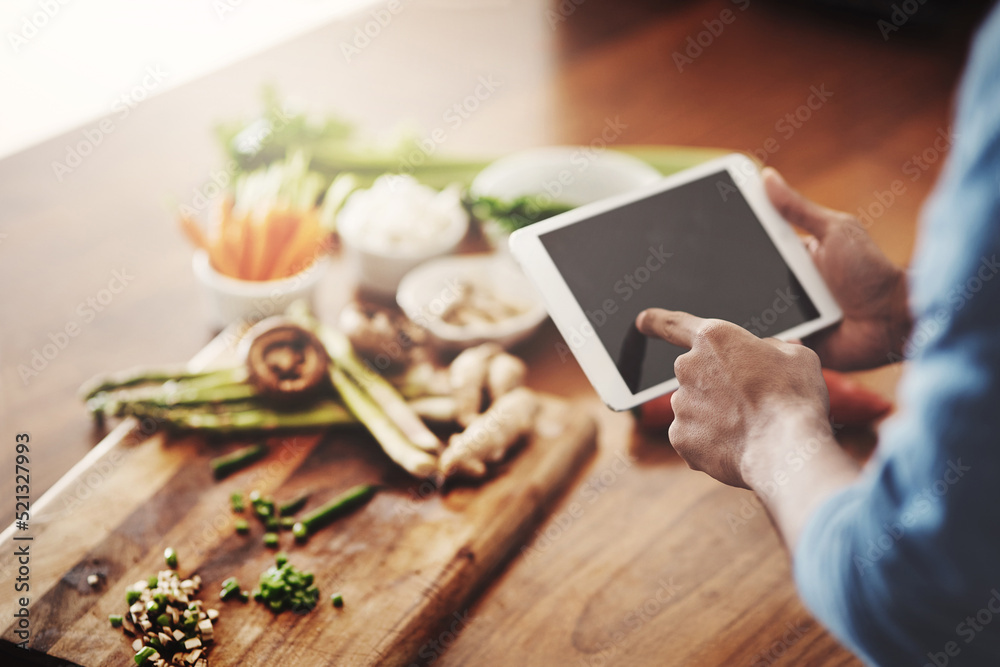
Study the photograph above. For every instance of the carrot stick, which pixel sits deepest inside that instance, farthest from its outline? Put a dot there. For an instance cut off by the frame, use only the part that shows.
(300, 249)
(280, 230)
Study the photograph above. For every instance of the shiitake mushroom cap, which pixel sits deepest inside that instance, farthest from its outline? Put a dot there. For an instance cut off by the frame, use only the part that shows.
(283, 359)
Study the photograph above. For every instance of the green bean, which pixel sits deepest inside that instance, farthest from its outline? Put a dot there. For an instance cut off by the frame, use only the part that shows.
(336, 508)
(223, 466)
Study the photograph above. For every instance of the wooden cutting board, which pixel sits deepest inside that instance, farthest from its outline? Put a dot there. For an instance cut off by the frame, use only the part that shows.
(409, 564)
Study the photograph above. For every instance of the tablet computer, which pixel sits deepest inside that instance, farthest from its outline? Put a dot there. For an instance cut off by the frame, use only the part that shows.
(705, 241)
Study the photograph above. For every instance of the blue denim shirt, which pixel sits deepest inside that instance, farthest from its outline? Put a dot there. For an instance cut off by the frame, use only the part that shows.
(904, 566)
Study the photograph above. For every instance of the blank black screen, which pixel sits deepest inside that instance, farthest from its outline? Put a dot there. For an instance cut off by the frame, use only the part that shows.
(697, 248)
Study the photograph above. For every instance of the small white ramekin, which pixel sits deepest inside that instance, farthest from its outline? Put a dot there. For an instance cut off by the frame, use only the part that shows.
(230, 299)
(381, 272)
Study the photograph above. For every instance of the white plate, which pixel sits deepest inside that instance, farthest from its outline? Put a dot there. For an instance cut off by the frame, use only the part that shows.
(573, 175)
(426, 291)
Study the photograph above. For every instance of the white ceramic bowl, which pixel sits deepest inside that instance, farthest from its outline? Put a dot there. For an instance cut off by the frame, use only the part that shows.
(380, 272)
(427, 291)
(230, 299)
(573, 175)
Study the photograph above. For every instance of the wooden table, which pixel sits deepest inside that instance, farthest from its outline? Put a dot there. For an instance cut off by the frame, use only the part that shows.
(644, 562)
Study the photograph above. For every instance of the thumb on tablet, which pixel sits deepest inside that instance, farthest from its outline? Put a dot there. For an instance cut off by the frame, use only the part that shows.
(795, 208)
(673, 326)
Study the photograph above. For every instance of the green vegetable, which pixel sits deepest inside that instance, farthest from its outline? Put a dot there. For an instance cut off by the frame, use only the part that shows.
(300, 532)
(242, 527)
(287, 522)
(271, 540)
(517, 213)
(335, 148)
(230, 589)
(293, 506)
(170, 556)
(236, 501)
(153, 581)
(141, 376)
(242, 417)
(115, 620)
(337, 599)
(336, 508)
(376, 403)
(131, 597)
(163, 620)
(280, 558)
(263, 508)
(282, 587)
(144, 654)
(215, 391)
(223, 466)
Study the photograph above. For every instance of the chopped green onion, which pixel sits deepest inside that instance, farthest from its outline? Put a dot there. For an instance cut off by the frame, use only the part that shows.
(280, 558)
(144, 654)
(170, 556)
(115, 620)
(223, 466)
(271, 540)
(288, 522)
(163, 619)
(230, 589)
(131, 597)
(242, 527)
(153, 581)
(236, 501)
(282, 588)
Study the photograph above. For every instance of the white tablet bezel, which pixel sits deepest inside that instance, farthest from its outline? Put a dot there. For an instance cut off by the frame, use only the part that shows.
(568, 315)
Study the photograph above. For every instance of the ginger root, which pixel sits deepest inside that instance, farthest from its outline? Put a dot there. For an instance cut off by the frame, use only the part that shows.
(490, 435)
(505, 374)
(467, 375)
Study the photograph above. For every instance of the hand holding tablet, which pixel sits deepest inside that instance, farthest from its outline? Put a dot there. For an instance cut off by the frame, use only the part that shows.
(706, 241)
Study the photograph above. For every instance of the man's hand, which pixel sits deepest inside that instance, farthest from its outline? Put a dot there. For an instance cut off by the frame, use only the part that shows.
(752, 413)
(737, 392)
(869, 288)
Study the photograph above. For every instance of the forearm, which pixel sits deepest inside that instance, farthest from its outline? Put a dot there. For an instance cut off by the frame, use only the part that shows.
(796, 468)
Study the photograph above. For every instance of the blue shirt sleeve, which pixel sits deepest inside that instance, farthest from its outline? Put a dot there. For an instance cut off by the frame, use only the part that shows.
(903, 567)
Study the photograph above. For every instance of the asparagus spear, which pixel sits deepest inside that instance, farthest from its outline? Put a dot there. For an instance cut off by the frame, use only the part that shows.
(381, 393)
(400, 449)
(170, 395)
(242, 417)
(139, 376)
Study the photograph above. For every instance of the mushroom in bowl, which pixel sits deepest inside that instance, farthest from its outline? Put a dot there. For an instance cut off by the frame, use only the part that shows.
(471, 299)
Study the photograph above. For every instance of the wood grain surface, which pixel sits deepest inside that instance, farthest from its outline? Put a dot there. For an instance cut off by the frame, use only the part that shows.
(567, 70)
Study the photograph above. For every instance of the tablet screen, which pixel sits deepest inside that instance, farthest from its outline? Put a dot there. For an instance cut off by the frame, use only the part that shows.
(697, 248)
